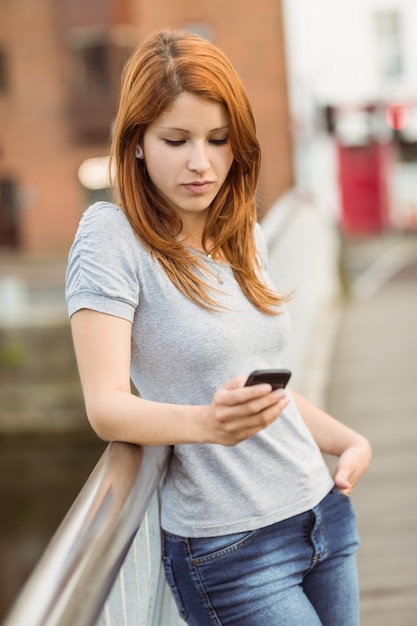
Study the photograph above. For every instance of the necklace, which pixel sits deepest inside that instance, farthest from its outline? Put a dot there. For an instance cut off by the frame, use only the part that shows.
(218, 272)
(209, 257)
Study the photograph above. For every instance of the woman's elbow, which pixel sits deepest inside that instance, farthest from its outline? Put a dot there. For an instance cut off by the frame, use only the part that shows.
(100, 420)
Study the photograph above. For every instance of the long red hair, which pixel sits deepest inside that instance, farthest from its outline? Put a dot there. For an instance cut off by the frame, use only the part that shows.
(166, 64)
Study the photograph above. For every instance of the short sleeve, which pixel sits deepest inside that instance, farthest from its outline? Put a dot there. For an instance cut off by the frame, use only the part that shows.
(102, 268)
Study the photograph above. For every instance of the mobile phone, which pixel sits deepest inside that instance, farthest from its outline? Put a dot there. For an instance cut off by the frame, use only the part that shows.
(278, 379)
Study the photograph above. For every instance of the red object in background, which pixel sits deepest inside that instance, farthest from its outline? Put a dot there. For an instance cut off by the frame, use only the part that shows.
(397, 115)
(363, 186)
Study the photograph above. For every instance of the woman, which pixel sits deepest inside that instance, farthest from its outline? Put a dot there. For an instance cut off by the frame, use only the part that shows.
(169, 287)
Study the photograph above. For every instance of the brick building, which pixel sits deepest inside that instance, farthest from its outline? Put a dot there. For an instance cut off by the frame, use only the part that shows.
(60, 65)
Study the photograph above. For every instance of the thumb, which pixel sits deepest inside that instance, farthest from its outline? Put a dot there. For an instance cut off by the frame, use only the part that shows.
(345, 471)
(342, 476)
(341, 481)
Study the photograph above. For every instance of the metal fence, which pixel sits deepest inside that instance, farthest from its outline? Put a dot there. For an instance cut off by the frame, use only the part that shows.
(103, 565)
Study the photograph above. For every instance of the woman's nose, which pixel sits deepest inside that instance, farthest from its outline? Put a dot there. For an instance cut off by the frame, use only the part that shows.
(199, 160)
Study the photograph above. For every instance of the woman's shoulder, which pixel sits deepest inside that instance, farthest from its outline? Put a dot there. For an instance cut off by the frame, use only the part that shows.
(104, 213)
(106, 222)
(102, 271)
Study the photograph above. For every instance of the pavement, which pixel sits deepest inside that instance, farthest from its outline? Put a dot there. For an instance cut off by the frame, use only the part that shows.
(372, 387)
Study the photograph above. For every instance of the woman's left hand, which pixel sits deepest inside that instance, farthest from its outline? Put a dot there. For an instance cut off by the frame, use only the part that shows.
(352, 464)
(352, 449)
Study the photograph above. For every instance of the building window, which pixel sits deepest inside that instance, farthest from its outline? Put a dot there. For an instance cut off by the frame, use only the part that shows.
(389, 44)
(8, 213)
(94, 66)
(4, 82)
(90, 64)
(96, 57)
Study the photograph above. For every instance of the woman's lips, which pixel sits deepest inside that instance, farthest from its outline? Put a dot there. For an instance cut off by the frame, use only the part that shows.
(198, 187)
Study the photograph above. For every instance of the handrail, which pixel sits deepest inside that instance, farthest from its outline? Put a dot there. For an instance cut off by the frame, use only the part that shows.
(73, 578)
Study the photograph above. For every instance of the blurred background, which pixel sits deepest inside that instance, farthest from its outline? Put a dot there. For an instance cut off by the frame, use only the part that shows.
(334, 91)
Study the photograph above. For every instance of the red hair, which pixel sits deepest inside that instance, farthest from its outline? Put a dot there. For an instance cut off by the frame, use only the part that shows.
(165, 65)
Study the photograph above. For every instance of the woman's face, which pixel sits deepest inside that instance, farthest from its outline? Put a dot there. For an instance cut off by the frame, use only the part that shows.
(188, 155)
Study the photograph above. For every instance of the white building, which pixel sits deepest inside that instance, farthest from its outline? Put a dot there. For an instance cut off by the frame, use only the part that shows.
(349, 54)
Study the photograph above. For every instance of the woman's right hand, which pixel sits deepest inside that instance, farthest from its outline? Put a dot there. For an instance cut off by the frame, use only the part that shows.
(238, 412)
(102, 344)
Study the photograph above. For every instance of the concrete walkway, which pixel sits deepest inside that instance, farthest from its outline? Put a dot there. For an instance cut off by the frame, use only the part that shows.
(373, 388)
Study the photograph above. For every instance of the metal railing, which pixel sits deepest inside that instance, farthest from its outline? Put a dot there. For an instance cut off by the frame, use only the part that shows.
(83, 562)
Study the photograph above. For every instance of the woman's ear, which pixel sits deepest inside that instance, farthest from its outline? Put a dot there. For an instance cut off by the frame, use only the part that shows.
(139, 152)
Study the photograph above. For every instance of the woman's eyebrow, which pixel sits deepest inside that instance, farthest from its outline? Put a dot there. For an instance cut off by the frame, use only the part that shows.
(184, 130)
(181, 130)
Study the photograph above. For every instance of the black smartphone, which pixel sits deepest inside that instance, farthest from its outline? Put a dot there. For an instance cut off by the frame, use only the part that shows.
(278, 379)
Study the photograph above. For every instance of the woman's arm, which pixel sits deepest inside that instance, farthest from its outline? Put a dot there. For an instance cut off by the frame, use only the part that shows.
(102, 345)
(337, 439)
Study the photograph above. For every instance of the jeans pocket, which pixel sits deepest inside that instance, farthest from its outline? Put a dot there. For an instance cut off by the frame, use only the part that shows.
(170, 578)
(342, 496)
(206, 549)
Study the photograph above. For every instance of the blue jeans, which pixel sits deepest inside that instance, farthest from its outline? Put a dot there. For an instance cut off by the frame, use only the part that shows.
(298, 572)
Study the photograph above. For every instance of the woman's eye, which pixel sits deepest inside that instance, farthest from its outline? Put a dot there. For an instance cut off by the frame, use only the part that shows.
(219, 142)
(180, 142)
(174, 142)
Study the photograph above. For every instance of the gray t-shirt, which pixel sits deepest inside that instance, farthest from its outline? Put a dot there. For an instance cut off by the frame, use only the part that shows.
(182, 354)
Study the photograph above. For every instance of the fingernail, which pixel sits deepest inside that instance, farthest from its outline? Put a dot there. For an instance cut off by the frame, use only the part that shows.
(266, 388)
